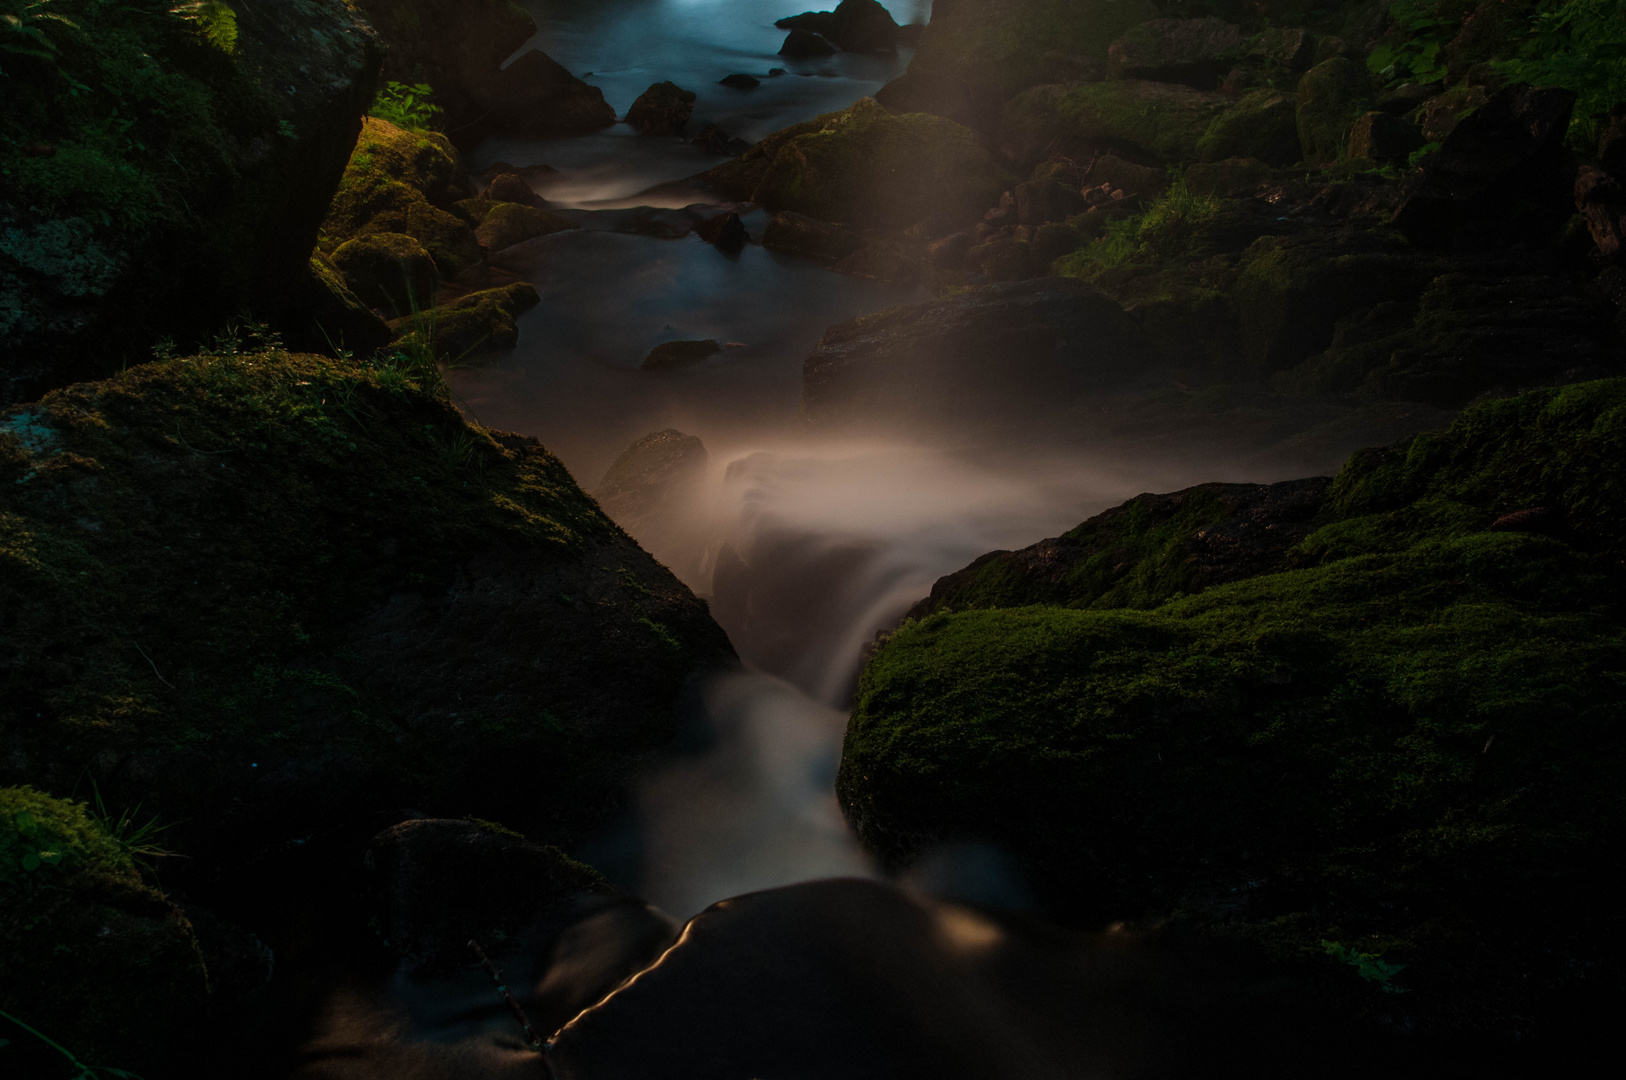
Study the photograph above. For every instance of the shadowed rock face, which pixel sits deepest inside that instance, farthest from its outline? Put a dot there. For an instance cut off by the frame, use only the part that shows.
(653, 477)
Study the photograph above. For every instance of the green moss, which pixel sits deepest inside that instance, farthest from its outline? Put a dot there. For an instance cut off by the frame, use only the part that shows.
(1163, 120)
(1331, 97)
(506, 224)
(1414, 733)
(1163, 232)
(400, 181)
(1261, 125)
(480, 323)
(1004, 47)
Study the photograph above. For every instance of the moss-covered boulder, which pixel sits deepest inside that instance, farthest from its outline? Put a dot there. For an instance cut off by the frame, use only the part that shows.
(1331, 97)
(507, 224)
(1195, 52)
(477, 324)
(387, 270)
(1401, 741)
(163, 177)
(93, 957)
(1262, 125)
(1163, 121)
(866, 166)
(259, 591)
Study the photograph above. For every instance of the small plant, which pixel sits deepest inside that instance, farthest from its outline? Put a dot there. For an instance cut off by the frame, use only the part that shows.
(1579, 45)
(406, 105)
(34, 854)
(1160, 234)
(214, 21)
(1369, 966)
(135, 838)
(23, 28)
(85, 1072)
(1417, 57)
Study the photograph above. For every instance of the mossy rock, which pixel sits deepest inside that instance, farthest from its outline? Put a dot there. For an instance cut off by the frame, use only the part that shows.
(478, 324)
(386, 270)
(1262, 125)
(295, 589)
(1404, 740)
(867, 166)
(1331, 96)
(93, 957)
(340, 318)
(1003, 48)
(507, 224)
(1162, 121)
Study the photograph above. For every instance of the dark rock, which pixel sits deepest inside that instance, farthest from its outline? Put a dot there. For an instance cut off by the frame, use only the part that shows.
(535, 96)
(774, 73)
(740, 81)
(1439, 114)
(911, 33)
(507, 224)
(524, 172)
(1262, 125)
(675, 354)
(1039, 201)
(855, 26)
(440, 883)
(940, 95)
(1126, 176)
(1407, 98)
(511, 188)
(653, 480)
(817, 22)
(1601, 199)
(1050, 242)
(1330, 97)
(1286, 48)
(714, 140)
(798, 234)
(1612, 143)
(1005, 259)
(480, 322)
(995, 354)
(1147, 120)
(891, 263)
(1386, 139)
(390, 271)
(1502, 176)
(1230, 179)
(949, 252)
(800, 44)
(663, 109)
(725, 231)
(1195, 52)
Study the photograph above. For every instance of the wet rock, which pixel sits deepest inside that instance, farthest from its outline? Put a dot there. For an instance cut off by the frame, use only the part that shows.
(1386, 139)
(1231, 178)
(1262, 125)
(1195, 52)
(798, 234)
(1407, 98)
(479, 323)
(1601, 199)
(1438, 115)
(1126, 176)
(714, 140)
(992, 355)
(1331, 96)
(1501, 176)
(724, 231)
(1285, 48)
(511, 188)
(940, 95)
(390, 271)
(676, 354)
(740, 81)
(1161, 121)
(1039, 201)
(663, 109)
(1005, 259)
(855, 26)
(437, 884)
(801, 44)
(653, 479)
(507, 224)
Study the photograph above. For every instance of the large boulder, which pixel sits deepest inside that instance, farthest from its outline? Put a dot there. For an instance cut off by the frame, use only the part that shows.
(261, 592)
(1331, 96)
(1163, 121)
(855, 26)
(940, 95)
(653, 480)
(205, 209)
(388, 271)
(507, 224)
(1196, 52)
(663, 109)
(1261, 125)
(1394, 744)
(477, 323)
(866, 166)
(992, 355)
(459, 47)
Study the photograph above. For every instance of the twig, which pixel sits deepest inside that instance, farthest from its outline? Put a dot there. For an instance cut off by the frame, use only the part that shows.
(513, 1006)
(194, 449)
(154, 667)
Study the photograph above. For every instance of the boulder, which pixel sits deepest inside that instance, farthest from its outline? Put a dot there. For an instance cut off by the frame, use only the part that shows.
(992, 355)
(1262, 125)
(480, 322)
(1161, 121)
(714, 140)
(798, 234)
(383, 606)
(1438, 115)
(1289, 49)
(940, 95)
(1382, 138)
(536, 97)
(1405, 99)
(1231, 178)
(866, 166)
(740, 81)
(1003, 259)
(724, 231)
(663, 109)
(389, 271)
(511, 188)
(1331, 96)
(950, 251)
(676, 354)
(801, 44)
(507, 224)
(854, 26)
(1501, 177)
(1601, 200)
(1195, 52)
(654, 480)
(1126, 176)
(1039, 201)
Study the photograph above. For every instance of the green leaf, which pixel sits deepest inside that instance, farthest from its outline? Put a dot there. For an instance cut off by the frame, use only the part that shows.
(25, 821)
(31, 861)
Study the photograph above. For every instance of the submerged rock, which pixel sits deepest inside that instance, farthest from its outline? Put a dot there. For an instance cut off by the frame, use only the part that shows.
(724, 231)
(663, 109)
(800, 44)
(673, 354)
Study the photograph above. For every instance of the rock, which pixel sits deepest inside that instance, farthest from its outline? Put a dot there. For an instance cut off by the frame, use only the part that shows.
(1002, 260)
(713, 140)
(1601, 199)
(1283, 48)
(865, 166)
(1162, 121)
(1438, 115)
(390, 606)
(1230, 179)
(481, 322)
(507, 224)
(108, 245)
(1385, 139)
(949, 252)
(855, 26)
(524, 172)
(511, 188)
(940, 95)
(675, 354)
(1331, 96)
(994, 354)
(817, 22)
(1195, 52)
(1050, 242)
(79, 930)
(536, 97)
(1500, 177)
(1612, 143)
(390, 271)
(740, 81)
(338, 317)
(724, 231)
(663, 109)
(1262, 125)
(1407, 98)
(1120, 698)
(438, 884)
(1039, 201)
(1127, 177)
(800, 44)
(654, 481)
(798, 234)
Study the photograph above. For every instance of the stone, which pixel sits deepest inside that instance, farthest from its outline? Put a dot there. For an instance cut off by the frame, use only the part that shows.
(940, 95)
(676, 354)
(798, 234)
(1006, 259)
(1231, 178)
(1161, 121)
(1195, 52)
(801, 44)
(1039, 201)
(723, 231)
(1126, 176)
(1406, 98)
(654, 480)
(1284, 48)
(663, 109)
(1331, 96)
(1383, 138)
(1601, 200)
(535, 96)
(389, 271)
(478, 324)
(714, 140)
(1438, 115)
(511, 188)
(854, 26)
(949, 252)
(338, 317)
(508, 224)
(1262, 125)
(740, 81)
(1051, 241)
